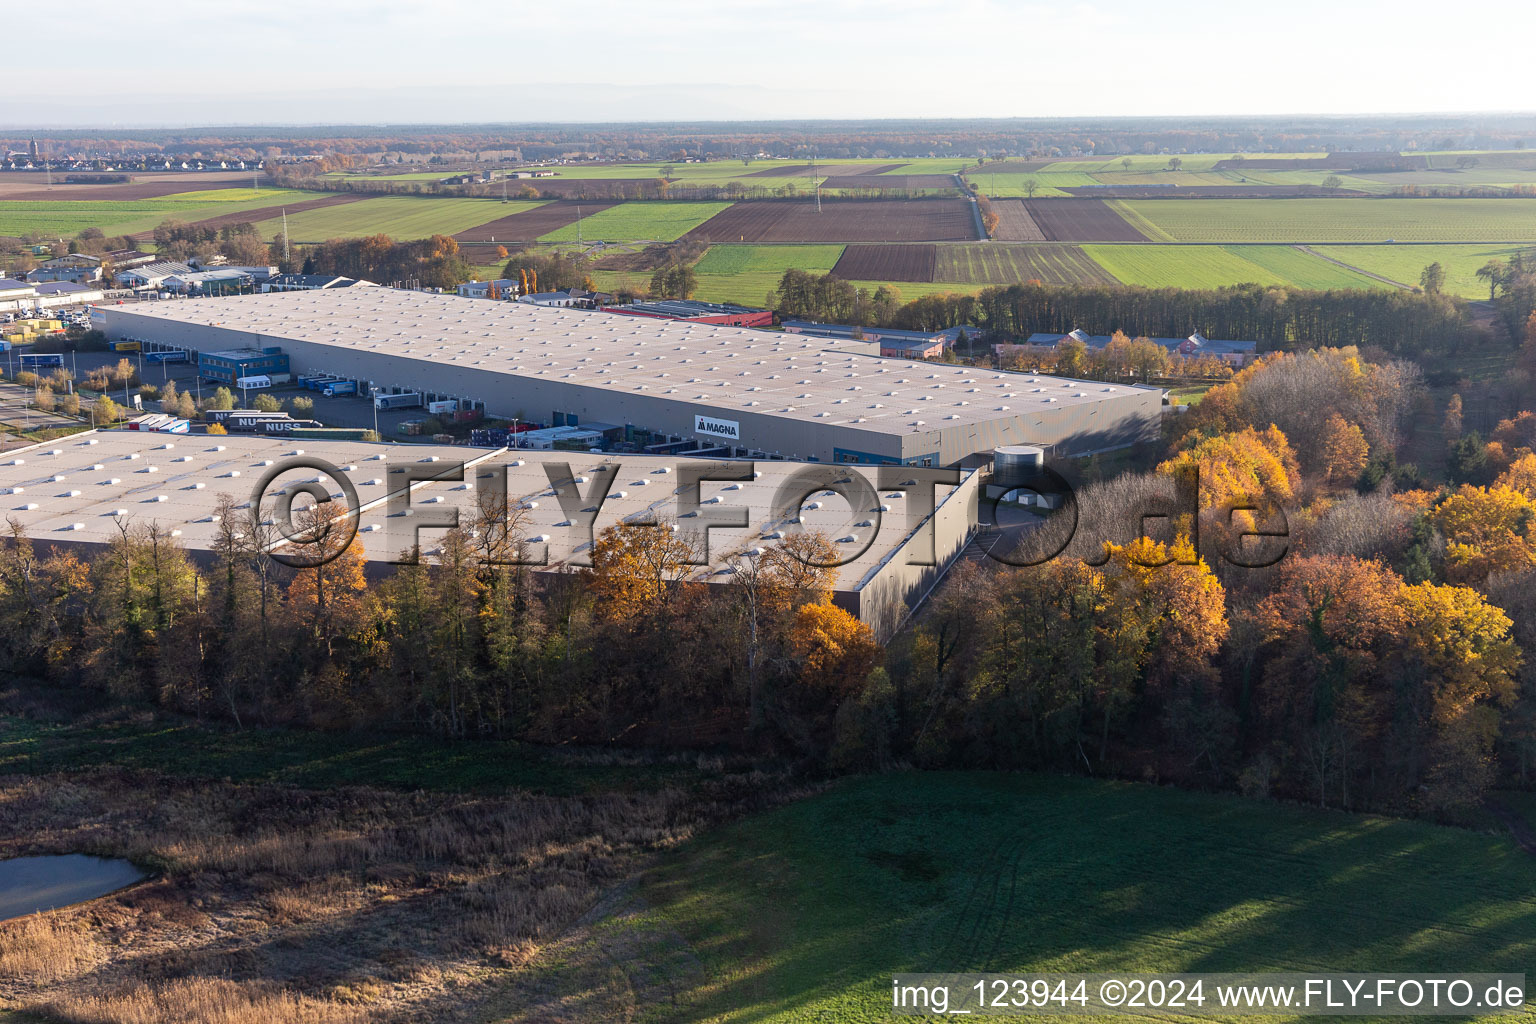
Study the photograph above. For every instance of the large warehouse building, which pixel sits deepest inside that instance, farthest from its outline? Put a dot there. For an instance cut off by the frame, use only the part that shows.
(80, 491)
(757, 393)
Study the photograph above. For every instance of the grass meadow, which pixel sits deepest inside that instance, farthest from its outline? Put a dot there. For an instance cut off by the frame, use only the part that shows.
(803, 913)
(1405, 263)
(746, 273)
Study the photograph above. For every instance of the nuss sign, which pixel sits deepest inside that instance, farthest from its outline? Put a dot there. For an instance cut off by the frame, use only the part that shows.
(728, 429)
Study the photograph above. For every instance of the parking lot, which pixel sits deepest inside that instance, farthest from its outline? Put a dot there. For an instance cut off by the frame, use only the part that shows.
(335, 411)
(13, 410)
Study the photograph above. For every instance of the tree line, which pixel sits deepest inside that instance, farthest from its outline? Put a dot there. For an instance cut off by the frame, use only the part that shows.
(1401, 323)
(624, 652)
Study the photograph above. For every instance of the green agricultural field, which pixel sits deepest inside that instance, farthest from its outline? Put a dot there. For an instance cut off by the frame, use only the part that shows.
(997, 263)
(66, 218)
(397, 216)
(642, 221)
(233, 195)
(1337, 220)
(804, 913)
(1180, 266)
(1316, 176)
(1212, 266)
(1048, 184)
(1404, 263)
(1299, 269)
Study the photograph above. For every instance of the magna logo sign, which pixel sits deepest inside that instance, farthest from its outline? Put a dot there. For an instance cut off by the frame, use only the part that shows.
(717, 428)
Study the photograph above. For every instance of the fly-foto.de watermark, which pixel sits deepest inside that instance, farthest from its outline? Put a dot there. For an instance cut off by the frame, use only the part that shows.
(1208, 995)
(301, 539)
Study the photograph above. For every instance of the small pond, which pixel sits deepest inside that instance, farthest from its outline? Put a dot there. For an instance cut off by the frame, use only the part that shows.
(30, 884)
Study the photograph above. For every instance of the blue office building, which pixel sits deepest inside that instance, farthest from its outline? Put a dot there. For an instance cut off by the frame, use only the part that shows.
(230, 364)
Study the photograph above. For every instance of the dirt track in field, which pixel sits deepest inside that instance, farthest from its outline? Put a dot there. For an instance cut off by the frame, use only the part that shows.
(874, 220)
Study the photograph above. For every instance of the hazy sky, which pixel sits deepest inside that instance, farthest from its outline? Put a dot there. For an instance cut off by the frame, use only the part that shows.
(318, 61)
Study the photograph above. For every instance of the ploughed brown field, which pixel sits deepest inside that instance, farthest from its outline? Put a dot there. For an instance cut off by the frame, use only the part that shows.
(1081, 220)
(891, 181)
(530, 224)
(1014, 224)
(848, 220)
(886, 263)
(32, 187)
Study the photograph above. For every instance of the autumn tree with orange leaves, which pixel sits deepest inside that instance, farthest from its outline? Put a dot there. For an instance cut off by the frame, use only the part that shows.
(1374, 692)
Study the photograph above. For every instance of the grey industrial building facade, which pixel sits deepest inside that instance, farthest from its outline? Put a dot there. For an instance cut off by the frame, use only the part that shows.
(761, 393)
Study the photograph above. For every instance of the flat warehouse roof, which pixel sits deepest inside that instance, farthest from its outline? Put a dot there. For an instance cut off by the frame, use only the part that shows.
(80, 489)
(770, 373)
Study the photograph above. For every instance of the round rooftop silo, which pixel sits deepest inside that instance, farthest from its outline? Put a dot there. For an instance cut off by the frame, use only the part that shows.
(1016, 464)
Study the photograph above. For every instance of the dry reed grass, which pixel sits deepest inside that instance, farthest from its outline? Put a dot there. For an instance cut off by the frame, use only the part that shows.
(313, 907)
